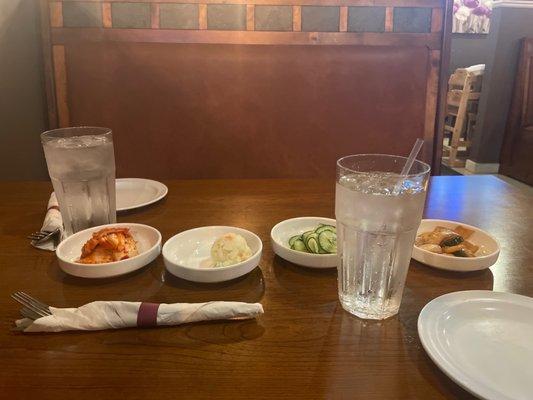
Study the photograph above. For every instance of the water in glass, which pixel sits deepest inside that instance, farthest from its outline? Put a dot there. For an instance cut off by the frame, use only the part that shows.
(82, 169)
(377, 220)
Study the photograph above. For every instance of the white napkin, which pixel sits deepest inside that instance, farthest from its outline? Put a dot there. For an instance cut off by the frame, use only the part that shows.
(100, 315)
(52, 221)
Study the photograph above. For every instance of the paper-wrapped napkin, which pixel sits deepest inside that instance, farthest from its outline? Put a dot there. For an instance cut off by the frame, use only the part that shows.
(52, 221)
(100, 315)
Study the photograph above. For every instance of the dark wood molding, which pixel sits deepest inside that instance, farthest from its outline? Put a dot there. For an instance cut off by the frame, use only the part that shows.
(515, 154)
(369, 3)
(389, 19)
(48, 67)
(296, 18)
(446, 37)
(60, 78)
(154, 16)
(343, 19)
(74, 35)
(432, 92)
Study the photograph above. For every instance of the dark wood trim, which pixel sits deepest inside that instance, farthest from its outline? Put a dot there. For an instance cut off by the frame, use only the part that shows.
(296, 18)
(60, 78)
(56, 14)
(202, 16)
(392, 3)
(389, 19)
(432, 93)
(250, 19)
(517, 120)
(48, 67)
(436, 20)
(154, 15)
(446, 37)
(343, 19)
(75, 35)
(107, 18)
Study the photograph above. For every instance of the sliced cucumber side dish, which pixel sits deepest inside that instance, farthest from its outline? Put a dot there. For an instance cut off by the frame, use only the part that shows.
(327, 240)
(321, 240)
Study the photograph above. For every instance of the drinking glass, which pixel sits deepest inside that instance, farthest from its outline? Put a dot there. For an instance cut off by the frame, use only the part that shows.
(81, 164)
(378, 213)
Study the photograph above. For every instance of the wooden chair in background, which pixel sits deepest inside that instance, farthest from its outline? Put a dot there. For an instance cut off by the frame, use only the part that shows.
(464, 90)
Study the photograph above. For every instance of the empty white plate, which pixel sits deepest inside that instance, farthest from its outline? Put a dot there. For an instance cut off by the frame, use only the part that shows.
(483, 340)
(148, 245)
(136, 192)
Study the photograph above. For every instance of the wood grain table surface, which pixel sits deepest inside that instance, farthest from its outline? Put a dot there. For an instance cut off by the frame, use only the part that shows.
(304, 346)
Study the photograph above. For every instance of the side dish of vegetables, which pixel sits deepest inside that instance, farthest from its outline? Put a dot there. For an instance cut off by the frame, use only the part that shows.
(446, 241)
(321, 240)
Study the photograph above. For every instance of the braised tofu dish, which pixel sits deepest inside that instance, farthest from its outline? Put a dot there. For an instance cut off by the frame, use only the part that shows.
(446, 241)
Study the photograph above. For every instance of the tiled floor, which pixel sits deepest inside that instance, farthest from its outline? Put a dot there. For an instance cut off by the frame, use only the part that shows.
(511, 181)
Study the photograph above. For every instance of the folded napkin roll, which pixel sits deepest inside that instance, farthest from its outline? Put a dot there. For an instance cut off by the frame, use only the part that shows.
(100, 315)
(52, 221)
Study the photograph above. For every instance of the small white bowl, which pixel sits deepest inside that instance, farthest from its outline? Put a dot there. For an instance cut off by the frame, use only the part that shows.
(185, 254)
(450, 263)
(283, 231)
(69, 250)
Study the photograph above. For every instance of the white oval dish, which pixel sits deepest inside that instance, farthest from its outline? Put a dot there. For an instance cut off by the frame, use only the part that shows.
(185, 252)
(135, 193)
(284, 230)
(482, 340)
(450, 263)
(148, 244)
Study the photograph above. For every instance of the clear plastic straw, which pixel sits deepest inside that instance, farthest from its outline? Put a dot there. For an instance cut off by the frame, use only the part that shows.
(409, 163)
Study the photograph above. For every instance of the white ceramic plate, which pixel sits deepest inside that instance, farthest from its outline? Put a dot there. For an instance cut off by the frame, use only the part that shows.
(483, 341)
(186, 253)
(282, 232)
(479, 237)
(134, 193)
(69, 250)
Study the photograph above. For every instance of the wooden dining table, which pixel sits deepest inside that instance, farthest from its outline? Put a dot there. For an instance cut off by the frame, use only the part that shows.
(304, 345)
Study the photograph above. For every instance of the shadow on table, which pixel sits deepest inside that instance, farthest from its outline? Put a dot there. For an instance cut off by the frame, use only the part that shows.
(305, 286)
(249, 288)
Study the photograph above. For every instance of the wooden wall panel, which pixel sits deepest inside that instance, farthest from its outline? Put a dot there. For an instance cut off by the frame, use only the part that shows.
(235, 111)
(278, 103)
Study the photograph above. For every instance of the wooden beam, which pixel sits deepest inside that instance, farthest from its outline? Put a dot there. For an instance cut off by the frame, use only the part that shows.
(154, 15)
(107, 19)
(56, 14)
(60, 78)
(250, 22)
(343, 19)
(76, 35)
(446, 36)
(48, 66)
(432, 95)
(436, 20)
(391, 3)
(389, 19)
(296, 18)
(202, 16)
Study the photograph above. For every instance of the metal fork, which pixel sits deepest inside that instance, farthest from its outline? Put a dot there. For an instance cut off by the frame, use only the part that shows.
(42, 235)
(32, 306)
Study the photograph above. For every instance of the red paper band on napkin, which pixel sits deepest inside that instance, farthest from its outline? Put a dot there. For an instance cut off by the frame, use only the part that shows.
(147, 316)
(53, 208)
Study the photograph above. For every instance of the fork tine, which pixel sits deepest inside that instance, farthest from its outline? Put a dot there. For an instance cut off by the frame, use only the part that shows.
(46, 307)
(36, 303)
(36, 236)
(26, 312)
(27, 304)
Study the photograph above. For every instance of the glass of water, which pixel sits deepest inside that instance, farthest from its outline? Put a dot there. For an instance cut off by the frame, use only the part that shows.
(81, 164)
(378, 213)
